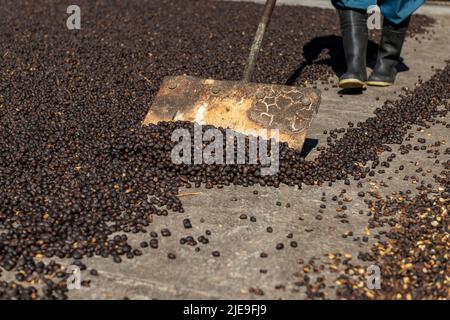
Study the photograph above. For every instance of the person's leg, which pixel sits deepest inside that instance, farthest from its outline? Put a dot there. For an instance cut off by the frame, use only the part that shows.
(391, 44)
(397, 11)
(397, 15)
(353, 20)
(354, 37)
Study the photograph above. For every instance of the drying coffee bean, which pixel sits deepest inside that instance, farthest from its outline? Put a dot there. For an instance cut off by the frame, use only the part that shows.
(143, 244)
(165, 232)
(187, 224)
(171, 256)
(93, 272)
(20, 277)
(153, 243)
(203, 239)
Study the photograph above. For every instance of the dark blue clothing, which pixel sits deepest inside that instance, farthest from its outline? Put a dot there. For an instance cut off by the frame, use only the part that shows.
(394, 10)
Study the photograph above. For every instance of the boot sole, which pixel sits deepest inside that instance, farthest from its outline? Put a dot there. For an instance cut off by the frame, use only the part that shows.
(352, 84)
(379, 83)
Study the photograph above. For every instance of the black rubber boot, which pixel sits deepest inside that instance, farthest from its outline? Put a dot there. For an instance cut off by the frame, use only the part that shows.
(355, 38)
(391, 44)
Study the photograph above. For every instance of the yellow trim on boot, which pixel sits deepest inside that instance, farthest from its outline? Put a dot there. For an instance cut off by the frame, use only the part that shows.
(352, 83)
(379, 83)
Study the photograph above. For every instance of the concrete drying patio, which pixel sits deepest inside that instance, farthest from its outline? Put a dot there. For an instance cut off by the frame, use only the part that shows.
(199, 275)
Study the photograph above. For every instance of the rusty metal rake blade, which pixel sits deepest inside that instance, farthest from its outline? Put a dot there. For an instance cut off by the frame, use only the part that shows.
(244, 107)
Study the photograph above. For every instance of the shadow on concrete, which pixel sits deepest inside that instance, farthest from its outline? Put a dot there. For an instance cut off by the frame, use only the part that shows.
(308, 146)
(329, 51)
(352, 91)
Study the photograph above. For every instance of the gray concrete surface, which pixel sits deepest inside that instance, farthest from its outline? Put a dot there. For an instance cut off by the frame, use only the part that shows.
(429, 8)
(198, 275)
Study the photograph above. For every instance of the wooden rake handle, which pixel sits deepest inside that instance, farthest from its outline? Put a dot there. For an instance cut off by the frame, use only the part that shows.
(256, 46)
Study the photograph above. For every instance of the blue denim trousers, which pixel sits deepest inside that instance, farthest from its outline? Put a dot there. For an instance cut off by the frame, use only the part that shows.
(395, 11)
